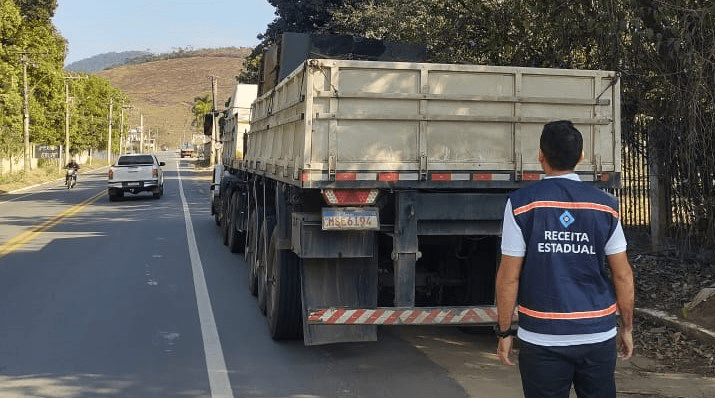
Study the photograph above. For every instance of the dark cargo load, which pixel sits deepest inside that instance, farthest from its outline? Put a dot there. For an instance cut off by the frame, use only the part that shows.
(294, 48)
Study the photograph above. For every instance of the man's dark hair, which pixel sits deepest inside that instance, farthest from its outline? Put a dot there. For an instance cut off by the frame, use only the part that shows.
(561, 144)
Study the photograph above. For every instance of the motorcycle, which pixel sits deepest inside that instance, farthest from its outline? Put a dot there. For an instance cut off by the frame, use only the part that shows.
(71, 177)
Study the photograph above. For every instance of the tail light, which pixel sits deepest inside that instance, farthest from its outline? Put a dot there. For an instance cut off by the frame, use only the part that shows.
(111, 174)
(350, 197)
(155, 173)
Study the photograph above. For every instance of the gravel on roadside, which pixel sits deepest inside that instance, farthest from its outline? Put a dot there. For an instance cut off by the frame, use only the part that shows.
(666, 281)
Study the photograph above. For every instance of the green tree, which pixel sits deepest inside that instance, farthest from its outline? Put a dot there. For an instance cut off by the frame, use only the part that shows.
(303, 16)
(10, 81)
(26, 32)
(37, 10)
(45, 51)
(90, 113)
(664, 51)
(202, 105)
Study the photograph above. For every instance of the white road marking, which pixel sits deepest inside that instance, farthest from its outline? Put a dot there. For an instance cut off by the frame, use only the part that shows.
(218, 375)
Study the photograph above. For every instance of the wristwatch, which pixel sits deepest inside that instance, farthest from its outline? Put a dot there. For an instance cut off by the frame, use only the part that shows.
(506, 333)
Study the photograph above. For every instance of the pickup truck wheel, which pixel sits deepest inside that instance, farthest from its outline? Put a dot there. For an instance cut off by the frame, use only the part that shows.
(249, 255)
(236, 239)
(114, 196)
(283, 305)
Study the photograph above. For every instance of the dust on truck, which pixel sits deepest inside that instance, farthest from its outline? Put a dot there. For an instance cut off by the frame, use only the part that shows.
(372, 192)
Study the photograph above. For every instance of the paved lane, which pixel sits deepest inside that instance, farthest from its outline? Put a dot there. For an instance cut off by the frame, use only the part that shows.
(261, 367)
(102, 303)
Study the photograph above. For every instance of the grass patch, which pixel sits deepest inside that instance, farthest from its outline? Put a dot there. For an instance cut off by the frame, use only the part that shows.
(42, 174)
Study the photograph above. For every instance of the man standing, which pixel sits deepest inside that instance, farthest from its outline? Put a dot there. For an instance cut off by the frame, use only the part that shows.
(556, 235)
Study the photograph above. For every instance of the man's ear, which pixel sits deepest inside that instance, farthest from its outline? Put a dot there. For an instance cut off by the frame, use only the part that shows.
(582, 157)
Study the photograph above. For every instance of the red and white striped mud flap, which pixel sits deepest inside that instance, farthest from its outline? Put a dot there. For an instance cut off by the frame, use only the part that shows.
(484, 315)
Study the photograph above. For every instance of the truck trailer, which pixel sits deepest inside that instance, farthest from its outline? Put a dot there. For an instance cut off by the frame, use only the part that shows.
(371, 192)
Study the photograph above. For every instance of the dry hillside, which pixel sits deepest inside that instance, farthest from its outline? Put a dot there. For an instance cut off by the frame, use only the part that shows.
(164, 91)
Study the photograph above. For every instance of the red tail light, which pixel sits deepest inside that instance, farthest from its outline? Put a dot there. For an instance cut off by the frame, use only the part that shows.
(111, 174)
(155, 173)
(345, 176)
(388, 176)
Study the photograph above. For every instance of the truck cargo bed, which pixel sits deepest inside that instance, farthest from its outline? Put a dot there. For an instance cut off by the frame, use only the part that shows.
(427, 124)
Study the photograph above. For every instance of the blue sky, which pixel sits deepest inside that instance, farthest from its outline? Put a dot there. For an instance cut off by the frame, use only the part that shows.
(94, 27)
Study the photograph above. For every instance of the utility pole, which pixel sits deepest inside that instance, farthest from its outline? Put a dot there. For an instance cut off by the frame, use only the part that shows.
(26, 112)
(67, 120)
(141, 132)
(214, 89)
(26, 107)
(67, 114)
(109, 139)
(121, 128)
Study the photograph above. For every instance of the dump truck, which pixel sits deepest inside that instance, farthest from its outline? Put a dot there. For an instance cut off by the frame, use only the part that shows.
(371, 191)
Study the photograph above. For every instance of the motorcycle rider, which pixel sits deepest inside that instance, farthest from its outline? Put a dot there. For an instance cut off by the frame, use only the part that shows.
(71, 165)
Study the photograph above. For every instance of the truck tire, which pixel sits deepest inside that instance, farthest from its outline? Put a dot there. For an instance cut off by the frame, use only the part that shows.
(283, 304)
(261, 260)
(225, 204)
(255, 220)
(236, 239)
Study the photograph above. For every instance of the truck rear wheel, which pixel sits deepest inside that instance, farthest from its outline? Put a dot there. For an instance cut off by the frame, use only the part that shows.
(236, 239)
(283, 304)
(225, 210)
(254, 221)
(261, 261)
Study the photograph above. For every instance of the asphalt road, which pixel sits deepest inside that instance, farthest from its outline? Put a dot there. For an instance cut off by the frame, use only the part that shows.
(121, 299)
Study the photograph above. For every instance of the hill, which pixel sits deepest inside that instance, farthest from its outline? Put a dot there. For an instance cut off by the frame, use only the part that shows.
(164, 91)
(104, 61)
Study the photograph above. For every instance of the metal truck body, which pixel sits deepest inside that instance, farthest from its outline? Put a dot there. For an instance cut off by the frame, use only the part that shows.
(372, 193)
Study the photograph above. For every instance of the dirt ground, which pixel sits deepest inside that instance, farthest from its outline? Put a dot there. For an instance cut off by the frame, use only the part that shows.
(704, 314)
(470, 359)
(667, 363)
(667, 281)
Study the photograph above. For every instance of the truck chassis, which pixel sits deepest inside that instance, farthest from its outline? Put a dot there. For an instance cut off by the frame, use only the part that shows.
(427, 263)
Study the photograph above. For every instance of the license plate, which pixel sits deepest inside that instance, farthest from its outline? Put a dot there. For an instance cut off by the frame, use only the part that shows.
(350, 219)
(133, 184)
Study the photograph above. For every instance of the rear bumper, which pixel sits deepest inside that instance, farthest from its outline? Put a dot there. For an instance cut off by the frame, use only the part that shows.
(134, 186)
(480, 315)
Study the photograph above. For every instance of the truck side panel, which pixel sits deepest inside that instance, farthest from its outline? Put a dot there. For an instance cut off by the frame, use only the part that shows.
(333, 115)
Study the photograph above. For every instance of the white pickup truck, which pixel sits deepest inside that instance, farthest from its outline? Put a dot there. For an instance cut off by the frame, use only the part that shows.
(135, 173)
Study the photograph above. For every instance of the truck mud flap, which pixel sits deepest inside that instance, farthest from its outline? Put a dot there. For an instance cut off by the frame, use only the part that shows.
(346, 282)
